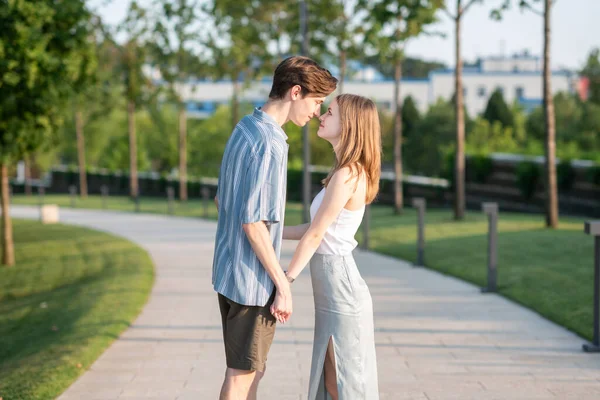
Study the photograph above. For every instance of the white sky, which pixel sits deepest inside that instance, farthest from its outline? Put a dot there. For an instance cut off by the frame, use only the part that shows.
(576, 31)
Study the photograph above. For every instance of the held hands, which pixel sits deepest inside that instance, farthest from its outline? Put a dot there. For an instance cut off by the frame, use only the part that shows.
(282, 306)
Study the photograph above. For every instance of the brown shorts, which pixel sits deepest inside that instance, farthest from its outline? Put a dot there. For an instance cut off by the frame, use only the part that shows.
(248, 332)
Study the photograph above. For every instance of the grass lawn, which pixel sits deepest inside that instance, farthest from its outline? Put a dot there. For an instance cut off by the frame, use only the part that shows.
(549, 271)
(155, 205)
(70, 294)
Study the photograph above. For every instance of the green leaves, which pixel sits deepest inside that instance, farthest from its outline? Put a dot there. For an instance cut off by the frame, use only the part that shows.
(176, 27)
(45, 53)
(390, 23)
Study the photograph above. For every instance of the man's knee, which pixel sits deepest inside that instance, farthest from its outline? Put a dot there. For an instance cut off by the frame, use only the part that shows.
(239, 378)
(258, 376)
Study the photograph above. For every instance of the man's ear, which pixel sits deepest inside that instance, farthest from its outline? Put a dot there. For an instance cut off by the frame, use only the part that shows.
(296, 92)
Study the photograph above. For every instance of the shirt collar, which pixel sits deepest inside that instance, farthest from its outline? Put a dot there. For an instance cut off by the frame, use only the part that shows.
(266, 118)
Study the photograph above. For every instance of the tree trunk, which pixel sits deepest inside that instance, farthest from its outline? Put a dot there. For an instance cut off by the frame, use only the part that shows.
(8, 247)
(183, 194)
(133, 180)
(398, 197)
(81, 154)
(27, 173)
(342, 71)
(550, 127)
(459, 168)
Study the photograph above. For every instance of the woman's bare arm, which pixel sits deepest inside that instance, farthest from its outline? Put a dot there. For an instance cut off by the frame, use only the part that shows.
(339, 191)
(295, 232)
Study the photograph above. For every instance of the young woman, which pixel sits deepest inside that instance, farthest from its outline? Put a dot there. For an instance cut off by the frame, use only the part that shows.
(343, 361)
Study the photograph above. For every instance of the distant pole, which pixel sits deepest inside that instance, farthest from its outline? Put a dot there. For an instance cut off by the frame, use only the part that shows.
(205, 195)
(104, 190)
(73, 192)
(306, 176)
(41, 193)
(366, 227)
(170, 197)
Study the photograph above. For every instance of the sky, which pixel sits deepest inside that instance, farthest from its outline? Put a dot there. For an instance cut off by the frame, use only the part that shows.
(576, 31)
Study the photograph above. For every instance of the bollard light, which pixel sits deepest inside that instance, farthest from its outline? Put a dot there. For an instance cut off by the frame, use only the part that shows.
(104, 191)
(420, 204)
(491, 210)
(205, 194)
(73, 193)
(41, 193)
(170, 196)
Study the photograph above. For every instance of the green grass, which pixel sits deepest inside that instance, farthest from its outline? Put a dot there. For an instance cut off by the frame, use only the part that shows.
(70, 294)
(155, 205)
(549, 271)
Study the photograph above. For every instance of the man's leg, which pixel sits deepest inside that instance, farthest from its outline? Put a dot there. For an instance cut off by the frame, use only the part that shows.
(254, 388)
(237, 384)
(248, 333)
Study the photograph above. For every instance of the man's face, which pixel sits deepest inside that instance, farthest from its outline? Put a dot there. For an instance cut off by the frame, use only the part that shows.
(305, 108)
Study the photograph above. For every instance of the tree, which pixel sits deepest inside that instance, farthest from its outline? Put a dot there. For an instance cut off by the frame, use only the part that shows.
(238, 51)
(410, 117)
(95, 96)
(549, 118)
(329, 28)
(388, 25)
(40, 64)
(341, 32)
(568, 119)
(175, 30)
(432, 138)
(132, 59)
(498, 110)
(459, 170)
(591, 71)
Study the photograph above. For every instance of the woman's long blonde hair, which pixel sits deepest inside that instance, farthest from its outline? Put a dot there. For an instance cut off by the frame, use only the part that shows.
(360, 142)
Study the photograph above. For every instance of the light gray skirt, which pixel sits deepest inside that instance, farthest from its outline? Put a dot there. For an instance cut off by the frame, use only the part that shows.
(344, 313)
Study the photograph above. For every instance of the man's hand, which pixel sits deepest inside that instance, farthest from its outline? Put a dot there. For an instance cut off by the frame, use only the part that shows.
(282, 306)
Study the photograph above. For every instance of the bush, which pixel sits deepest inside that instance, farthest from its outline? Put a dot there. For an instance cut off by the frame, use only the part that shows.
(593, 175)
(565, 175)
(294, 185)
(481, 167)
(448, 170)
(528, 175)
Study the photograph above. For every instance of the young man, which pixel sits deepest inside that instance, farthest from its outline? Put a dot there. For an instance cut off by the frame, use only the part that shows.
(253, 290)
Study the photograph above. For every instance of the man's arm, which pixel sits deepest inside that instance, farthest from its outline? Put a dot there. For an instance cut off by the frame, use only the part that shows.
(260, 240)
(262, 206)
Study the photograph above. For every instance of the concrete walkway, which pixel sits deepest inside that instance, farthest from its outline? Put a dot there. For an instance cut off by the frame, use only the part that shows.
(437, 337)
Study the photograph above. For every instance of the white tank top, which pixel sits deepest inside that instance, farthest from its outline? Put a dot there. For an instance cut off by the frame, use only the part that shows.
(339, 237)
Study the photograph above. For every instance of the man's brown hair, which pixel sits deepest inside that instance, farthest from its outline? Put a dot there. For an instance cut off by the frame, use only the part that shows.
(314, 80)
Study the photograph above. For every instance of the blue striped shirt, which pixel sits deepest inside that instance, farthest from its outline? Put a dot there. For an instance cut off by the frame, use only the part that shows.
(252, 188)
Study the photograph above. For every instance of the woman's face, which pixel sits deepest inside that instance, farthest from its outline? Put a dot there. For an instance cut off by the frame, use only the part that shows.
(330, 127)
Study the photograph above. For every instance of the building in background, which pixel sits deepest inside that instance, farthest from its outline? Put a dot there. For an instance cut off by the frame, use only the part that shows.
(519, 78)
